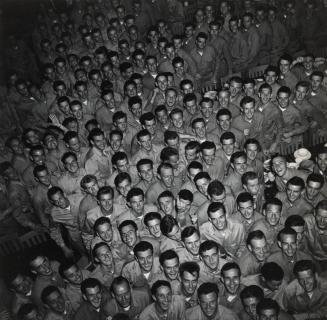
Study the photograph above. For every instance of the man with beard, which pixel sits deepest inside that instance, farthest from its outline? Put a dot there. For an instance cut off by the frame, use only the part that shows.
(165, 305)
(73, 277)
(209, 307)
(125, 299)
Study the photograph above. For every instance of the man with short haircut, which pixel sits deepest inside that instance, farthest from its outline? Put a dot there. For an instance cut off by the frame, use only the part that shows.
(321, 166)
(209, 307)
(286, 77)
(73, 144)
(306, 295)
(144, 269)
(312, 192)
(166, 181)
(191, 239)
(165, 305)
(228, 233)
(189, 279)
(292, 199)
(73, 277)
(94, 297)
(207, 113)
(172, 232)
(252, 148)
(126, 300)
(146, 174)
(137, 209)
(255, 188)
(272, 221)
(229, 293)
(56, 304)
(267, 308)
(167, 204)
(250, 296)
(152, 222)
(201, 180)
(256, 254)
(185, 210)
(316, 232)
(193, 168)
(288, 254)
(317, 93)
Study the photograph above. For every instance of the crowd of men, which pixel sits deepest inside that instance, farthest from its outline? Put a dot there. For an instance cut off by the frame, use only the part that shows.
(167, 201)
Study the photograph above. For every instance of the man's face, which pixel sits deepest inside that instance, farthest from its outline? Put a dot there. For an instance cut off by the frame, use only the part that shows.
(93, 296)
(115, 143)
(271, 15)
(16, 146)
(71, 164)
(270, 77)
(253, 186)
(191, 106)
(268, 314)
(209, 304)
(122, 294)
(308, 63)
(233, 27)
(218, 219)
(162, 117)
(22, 90)
(151, 65)
(151, 126)
(187, 88)
(82, 92)
(240, 165)
(77, 111)
(283, 99)
(166, 204)
(56, 302)
(177, 120)
(60, 90)
(154, 228)
(41, 266)
(38, 157)
(200, 43)
(192, 172)
(104, 256)
(288, 244)
(175, 233)
(146, 142)
(321, 219)
(231, 280)
(322, 162)
(92, 187)
(189, 283)
(250, 306)
(145, 260)
(211, 258)
(109, 100)
(22, 284)
(146, 172)
(251, 151)
(246, 209)
(163, 298)
(235, 88)
(307, 280)
(214, 30)
(131, 90)
(273, 285)
(206, 109)
(129, 235)
(279, 166)
(223, 98)
(202, 185)
(284, 66)
(170, 268)
(137, 204)
(59, 200)
(121, 124)
(190, 155)
(105, 232)
(43, 177)
(171, 100)
(208, 156)
(259, 249)
(74, 275)
(247, 22)
(316, 82)
(312, 189)
(273, 213)
(249, 89)
(293, 192)
(167, 177)
(162, 84)
(188, 31)
(265, 95)
(248, 110)
(183, 206)
(124, 187)
(192, 244)
(99, 142)
(136, 110)
(300, 93)
(106, 202)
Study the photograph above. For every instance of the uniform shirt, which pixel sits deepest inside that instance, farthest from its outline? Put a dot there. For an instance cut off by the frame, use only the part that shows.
(153, 154)
(208, 275)
(232, 238)
(215, 170)
(233, 303)
(70, 183)
(105, 274)
(234, 181)
(224, 313)
(251, 129)
(290, 173)
(170, 244)
(245, 222)
(176, 311)
(133, 273)
(249, 264)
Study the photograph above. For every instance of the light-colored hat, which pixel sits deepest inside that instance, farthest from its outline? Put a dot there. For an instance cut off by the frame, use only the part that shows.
(302, 154)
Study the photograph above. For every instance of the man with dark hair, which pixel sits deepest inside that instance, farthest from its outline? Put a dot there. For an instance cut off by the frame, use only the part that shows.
(145, 171)
(251, 295)
(191, 239)
(165, 304)
(211, 163)
(268, 308)
(125, 300)
(209, 307)
(313, 187)
(172, 234)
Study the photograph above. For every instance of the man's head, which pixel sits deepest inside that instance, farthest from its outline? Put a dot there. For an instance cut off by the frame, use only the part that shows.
(191, 239)
(278, 165)
(135, 200)
(239, 162)
(71, 272)
(227, 140)
(231, 277)
(272, 210)
(320, 214)
(92, 292)
(42, 175)
(184, 201)
(121, 291)
(257, 244)
(166, 174)
(89, 185)
(202, 180)
(97, 139)
(321, 159)
(217, 215)
(21, 284)
(283, 97)
(192, 151)
(272, 276)
(314, 184)
(144, 140)
(57, 198)
(170, 228)
(294, 188)
(250, 297)
(297, 223)
(53, 299)
(128, 232)
(250, 182)
(169, 262)
(208, 152)
(152, 222)
(143, 252)
(162, 295)
(245, 205)
(247, 107)
(123, 183)
(209, 254)
(145, 169)
(102, 255)
(208, 294)
(305, 273)
(287, 241)
(189, 274)
(316, 79)
(29, 311)
(267, 309)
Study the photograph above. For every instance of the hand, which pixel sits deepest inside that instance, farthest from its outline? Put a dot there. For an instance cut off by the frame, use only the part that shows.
(54, 119)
